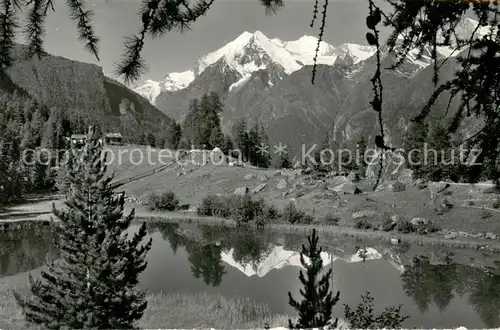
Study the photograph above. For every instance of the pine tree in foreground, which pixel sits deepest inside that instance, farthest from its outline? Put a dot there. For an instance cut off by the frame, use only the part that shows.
(93, 284)
(315, 310)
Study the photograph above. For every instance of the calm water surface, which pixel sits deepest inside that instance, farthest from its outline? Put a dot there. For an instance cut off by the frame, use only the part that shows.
(255, 264)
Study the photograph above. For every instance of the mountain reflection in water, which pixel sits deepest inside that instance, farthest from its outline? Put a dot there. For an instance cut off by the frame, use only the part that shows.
(263, 265)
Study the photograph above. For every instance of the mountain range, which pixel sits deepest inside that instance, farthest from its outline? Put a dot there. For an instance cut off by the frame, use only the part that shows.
(268, 81)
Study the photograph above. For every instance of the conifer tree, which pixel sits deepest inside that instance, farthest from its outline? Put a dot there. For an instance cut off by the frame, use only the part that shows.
(254, 142)
(27, 137)
(39, 173)
(440, 144)
(227, 145)
(216, 103)
(322, 157)
(11, 183)
(184, 143)
(348, 157)
(284, 161)
(257, 138)
(173, 135)
(362, 162)
(241, 138)
(264, 158)
(414, 143)
(48, 136)
(205, 121)
(150, 139)
(141, 139)
(93, 284)
(191, 125)
(315, 310)
(63, 183)
(216, 138)
(202, 126)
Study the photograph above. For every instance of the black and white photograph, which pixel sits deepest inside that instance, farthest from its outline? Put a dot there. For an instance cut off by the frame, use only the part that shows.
(249, 164)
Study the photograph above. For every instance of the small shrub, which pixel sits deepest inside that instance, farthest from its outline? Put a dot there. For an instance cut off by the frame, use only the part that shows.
(485, 214)
(362, 224)
(261, 221)
(405, 227)
(428, 228)
(269, 214)
(492, 190)
(164, 202)
(363, 316)
(223, 206)
(432, 227)
(208, 205)
(389, 225)
(496, 204)
(241, 209)
(294, 216)
(422, 185)
(244, 209)
(331, 219)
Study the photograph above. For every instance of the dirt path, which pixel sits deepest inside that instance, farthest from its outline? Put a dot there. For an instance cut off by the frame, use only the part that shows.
(42, 211)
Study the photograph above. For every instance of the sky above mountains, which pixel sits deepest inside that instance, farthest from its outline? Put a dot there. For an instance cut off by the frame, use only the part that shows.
(115, 19)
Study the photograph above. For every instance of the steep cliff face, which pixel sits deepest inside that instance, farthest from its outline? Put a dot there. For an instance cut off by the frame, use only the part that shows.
(81, 89)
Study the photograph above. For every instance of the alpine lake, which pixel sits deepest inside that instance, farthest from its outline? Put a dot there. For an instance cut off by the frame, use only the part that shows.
(437, 287)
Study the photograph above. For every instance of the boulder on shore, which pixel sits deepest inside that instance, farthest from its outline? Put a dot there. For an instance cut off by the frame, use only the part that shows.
(282, 184)
(364, 214)
(250, 176)
(259, 188)
(419, 221)
(242, 191)
(348, 188)
(451, 235)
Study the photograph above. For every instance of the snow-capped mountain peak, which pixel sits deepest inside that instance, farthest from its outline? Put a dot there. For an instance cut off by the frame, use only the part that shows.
(468, 26)
(354, 53)
(463, 31)
(173, 81)
(307, 45)
(149, 90)
(253, 51)
(250, 52)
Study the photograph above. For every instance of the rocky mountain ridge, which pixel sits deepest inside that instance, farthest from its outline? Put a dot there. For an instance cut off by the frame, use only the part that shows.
(269, 81)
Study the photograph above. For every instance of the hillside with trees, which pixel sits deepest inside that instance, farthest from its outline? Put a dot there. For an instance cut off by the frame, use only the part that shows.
(44, 101)
(202, 129)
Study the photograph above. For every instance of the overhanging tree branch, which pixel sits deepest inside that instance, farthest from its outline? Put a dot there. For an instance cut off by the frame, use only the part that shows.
(83, 17)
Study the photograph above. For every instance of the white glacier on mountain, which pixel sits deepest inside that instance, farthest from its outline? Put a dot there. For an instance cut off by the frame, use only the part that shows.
(463, 31)
(173, 82)
(354, 52)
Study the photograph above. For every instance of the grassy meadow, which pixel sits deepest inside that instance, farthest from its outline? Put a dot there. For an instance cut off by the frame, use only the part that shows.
(168, 310)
